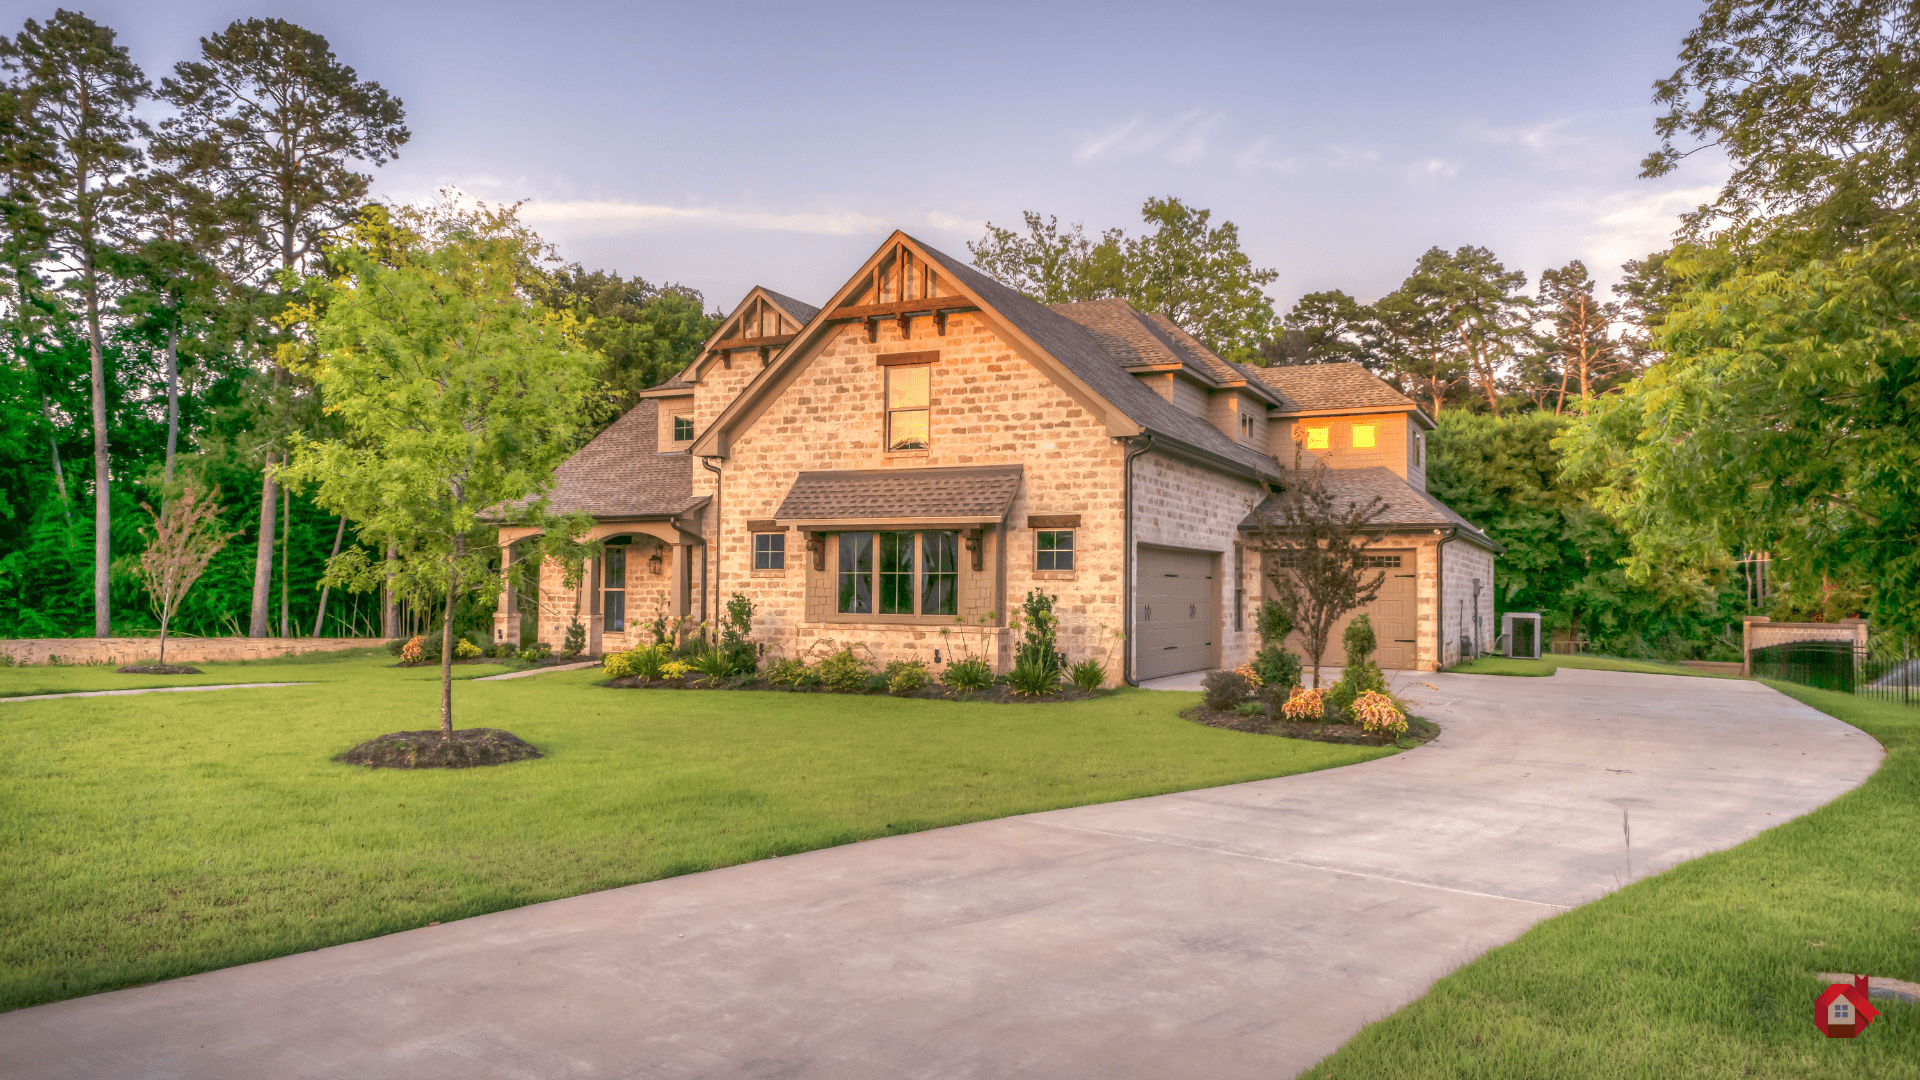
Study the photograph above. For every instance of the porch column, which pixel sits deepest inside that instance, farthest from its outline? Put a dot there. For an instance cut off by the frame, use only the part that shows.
(593, 617)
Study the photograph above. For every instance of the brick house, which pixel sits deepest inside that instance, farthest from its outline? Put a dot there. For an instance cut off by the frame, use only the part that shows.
(899, 467)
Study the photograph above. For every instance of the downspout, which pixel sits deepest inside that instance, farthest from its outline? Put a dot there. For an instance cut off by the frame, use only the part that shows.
(713, 542)
(1440, 596)
(1126, 565)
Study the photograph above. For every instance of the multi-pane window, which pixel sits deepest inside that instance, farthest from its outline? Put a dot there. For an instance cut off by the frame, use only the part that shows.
(682, 428)
(1317, 438)
(614, 601)
(907, 405)
(1053, 549)
(906, 573)
(769, 551)
(1381, 562)
(1246, 427)
(1363, 436)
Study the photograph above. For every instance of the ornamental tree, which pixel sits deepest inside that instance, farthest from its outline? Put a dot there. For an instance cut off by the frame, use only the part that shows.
(455, 394)
(1313, 543)
(185, 537)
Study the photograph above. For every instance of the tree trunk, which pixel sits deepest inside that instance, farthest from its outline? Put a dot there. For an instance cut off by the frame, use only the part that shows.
(339, 535)
(102, 478)
(163, 641)
(173, 399)
(390, 604)
(286, 545)
(53, 445)
(263, 555)
(446, 645)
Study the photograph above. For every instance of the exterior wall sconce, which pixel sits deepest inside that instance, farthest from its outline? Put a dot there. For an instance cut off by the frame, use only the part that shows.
(655, 562)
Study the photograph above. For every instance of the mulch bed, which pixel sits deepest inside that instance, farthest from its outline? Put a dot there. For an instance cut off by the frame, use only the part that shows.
(467, 748)
(1418, 730)
(158, 669)
(998, 693)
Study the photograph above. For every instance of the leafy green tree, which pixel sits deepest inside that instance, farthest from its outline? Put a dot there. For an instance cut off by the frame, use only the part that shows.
(1580, 332)
(647, 333)
(1312, 544)
(82, 89)
(1413, 347)
(456, 394)
(1645, 291)
(1475, 304)
(271, 122)
(1186, 268)
(1325, 328)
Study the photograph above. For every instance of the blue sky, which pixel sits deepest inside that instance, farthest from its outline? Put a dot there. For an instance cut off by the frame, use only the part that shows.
(728, 145)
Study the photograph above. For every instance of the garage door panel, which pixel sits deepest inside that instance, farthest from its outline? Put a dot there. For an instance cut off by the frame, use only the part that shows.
(1394, 613)
(1173, 612)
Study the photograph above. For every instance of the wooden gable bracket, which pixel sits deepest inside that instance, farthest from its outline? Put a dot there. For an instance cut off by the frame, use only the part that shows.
(764, 354)
(940, 322)
(873, 328)
(976, 546)
(905, 322)
(817, 546)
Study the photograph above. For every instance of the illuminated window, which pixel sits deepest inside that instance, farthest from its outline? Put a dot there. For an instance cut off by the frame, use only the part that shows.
(907, 407)
(1363, 436)
(1317, 438)
(682, 428)
(1246, 427)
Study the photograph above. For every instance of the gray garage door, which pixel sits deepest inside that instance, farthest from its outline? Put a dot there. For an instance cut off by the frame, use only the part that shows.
(1173, 618)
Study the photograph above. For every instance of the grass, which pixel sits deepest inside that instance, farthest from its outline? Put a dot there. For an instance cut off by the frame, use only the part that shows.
(1547, 665)
(1706, 970)
(327, 666)
(148, 837)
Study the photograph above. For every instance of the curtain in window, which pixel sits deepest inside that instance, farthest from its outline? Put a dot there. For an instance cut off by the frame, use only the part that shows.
(896, 573)
(856, 573)
(940, 587)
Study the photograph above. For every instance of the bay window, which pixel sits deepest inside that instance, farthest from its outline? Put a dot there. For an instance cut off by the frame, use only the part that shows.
(899, 573)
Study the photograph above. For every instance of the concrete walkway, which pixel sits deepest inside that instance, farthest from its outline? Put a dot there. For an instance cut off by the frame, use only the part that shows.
(539, 671)
(1243, 931)
(148, 690)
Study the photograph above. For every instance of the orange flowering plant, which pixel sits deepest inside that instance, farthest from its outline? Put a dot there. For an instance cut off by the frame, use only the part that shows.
(1378, 715)
(1305, 705)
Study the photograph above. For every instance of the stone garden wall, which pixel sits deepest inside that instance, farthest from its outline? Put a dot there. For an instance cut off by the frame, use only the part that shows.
(180, 650)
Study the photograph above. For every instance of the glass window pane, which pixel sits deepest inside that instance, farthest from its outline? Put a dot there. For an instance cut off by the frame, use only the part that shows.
(615, 574)
(907, 429)
(1317, 438)
(896, 573)
(616, 610)
(1363, 436)
(770, 551)
(940, 585)
(907, 387)
(856, 573)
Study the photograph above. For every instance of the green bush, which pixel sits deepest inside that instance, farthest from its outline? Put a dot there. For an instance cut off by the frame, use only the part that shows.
(1274, 623)
(967, 675)
(1088, 675)
(844, 672)
(576, 639)
(649, 662)
(1251, 708)
(906, 677)
(715, 664)
(539, 650)
(1225, 689)
(1360, 674)
(617, 665)
(1033, 677)
(736, 634)
(466, 650)
(1041, 629)
(790, 673)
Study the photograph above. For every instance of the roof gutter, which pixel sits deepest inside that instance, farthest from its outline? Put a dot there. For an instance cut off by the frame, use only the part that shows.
(1127, 564)
(1440, 594)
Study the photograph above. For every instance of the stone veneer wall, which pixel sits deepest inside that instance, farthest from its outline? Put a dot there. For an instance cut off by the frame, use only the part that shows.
(1180, 505)
(1426, 603)
(180, 650)
(1390, 450)
(1466, 561)
(989, 407)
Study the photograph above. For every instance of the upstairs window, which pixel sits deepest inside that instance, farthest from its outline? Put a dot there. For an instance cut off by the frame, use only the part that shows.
(682, 428)
(1317, 438)
(1053, 549)
(907, 407)
(1246, 427)
(1363, 436)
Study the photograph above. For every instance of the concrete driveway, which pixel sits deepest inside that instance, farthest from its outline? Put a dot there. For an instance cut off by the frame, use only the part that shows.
(1230, 932)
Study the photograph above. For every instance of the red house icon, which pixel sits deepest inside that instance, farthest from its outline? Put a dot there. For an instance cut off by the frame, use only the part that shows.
(1843, 1011)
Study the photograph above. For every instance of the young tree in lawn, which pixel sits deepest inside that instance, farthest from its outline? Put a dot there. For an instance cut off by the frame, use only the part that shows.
(82, 90)
(1313, 540)
(274, 120)
(456, 394)
(1580, 331)
(185, 537)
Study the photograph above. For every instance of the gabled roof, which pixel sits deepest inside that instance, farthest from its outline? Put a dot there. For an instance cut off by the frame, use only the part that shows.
(966, 494)
(1406, 506)
(801, 311)
(622, 474)
(1143, 342)
(1325, 388)
(743, 323)
(1084, 368)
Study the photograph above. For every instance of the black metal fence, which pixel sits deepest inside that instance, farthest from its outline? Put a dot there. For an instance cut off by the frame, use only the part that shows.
(1841, 666)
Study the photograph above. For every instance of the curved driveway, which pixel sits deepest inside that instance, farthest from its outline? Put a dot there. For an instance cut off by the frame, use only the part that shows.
(1228, 932)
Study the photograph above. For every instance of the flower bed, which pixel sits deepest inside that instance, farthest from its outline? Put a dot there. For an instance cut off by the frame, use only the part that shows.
(1417, 730)
(998, 692)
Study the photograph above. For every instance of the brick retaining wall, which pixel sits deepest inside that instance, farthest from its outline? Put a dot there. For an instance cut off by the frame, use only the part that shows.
(180, 650)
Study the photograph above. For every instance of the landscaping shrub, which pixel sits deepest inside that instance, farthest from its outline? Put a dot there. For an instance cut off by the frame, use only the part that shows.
(843, 671)
(414, 651)
(394, 647)
(617, 665)
(505, 651)
(874, 682)
(967, 675)
(1276, 670)
(1250, 708)
(537, 651)
(906, 677)
(1225, 689)
(1305, 706)
(648, 662)
(715, 664)
(736, 634)
(1041, 626)
(466, 650)
(673, 669)
(576, 642)
(1088, 675)
(1032, 677)
(790, 673)
(1360, 675)
(1378, 715)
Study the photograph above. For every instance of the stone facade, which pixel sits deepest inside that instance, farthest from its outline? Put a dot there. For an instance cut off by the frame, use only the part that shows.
(180, 650)
(1185, 506)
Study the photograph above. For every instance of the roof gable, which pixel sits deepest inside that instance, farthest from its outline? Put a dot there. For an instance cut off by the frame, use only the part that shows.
(762, 318)
(621, 473)
(1342, 387)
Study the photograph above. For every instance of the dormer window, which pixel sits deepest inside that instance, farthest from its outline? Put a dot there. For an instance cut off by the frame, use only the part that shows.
(682, 428)
(1317, 438)
(1246, 427)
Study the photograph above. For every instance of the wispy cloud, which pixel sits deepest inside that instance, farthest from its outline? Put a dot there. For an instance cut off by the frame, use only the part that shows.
(1432, 169)
(624, 216)
(1629, 225)
(1546, 138)
(1183, 140)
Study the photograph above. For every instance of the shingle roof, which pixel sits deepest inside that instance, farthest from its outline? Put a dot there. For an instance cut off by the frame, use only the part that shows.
(962, 494)
(678, 382)
(621, 474)
(1075, 347)
(801, 311)
(1312, 387)
(1406, 505)
(1137, 339)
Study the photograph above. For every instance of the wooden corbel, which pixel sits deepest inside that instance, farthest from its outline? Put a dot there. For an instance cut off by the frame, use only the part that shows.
(977, 547)
(905, 322)
(817, 545)
(873, 329)
(764, 353)
(940, 322)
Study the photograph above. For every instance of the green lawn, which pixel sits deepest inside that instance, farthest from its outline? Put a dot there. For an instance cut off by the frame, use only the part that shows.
(327, 666)
(148, 837)
(1706, 970)
(1547, 665)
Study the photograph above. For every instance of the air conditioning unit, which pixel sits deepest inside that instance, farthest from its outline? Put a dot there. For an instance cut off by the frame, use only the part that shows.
(1521, 631)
